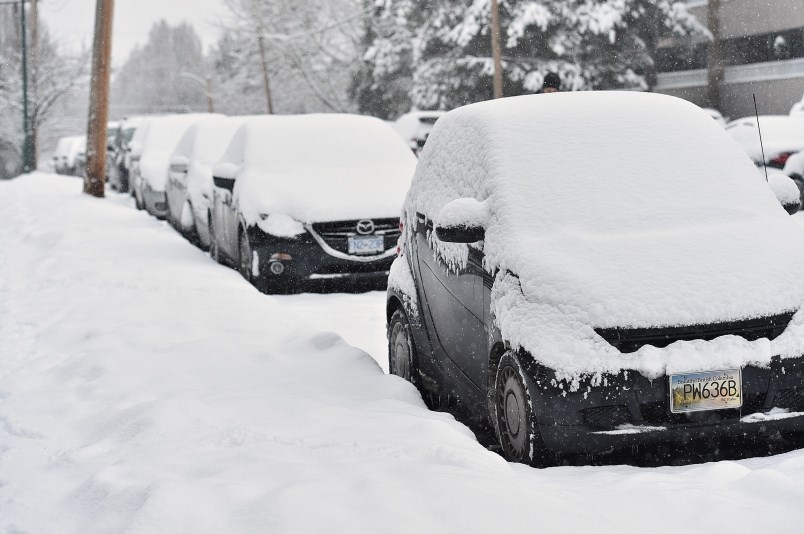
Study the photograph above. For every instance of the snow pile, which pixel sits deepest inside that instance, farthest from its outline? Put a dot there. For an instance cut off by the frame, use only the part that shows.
(159, 141)
(780, 133)
(795, 164)
(616, 210)
(146, 389)
(298, 165)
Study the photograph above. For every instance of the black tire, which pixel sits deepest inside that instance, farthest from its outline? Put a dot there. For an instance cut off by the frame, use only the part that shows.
(513, 417)
(245, 256)
(214, 249)
(139, 204)
(402, 356)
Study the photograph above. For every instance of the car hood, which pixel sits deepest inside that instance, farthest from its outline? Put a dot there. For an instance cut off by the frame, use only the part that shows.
(689, 276)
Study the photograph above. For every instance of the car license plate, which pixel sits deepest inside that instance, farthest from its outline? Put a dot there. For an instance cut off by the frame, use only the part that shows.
(713, 390)
(366, 244)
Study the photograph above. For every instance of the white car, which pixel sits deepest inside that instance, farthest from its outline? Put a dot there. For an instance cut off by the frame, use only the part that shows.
(159, 138)
(782, 136)
(67, 150)
(189, 185)
(414, 127)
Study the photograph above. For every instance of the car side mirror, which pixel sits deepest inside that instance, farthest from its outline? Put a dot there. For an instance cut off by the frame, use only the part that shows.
(463, 220)
(787, 192)
(224, 183)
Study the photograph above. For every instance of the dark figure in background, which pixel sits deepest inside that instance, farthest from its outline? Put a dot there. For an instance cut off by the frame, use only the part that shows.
(552, 84)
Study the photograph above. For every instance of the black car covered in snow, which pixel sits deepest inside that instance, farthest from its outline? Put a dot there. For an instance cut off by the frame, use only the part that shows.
(310, 200)
(567, 280)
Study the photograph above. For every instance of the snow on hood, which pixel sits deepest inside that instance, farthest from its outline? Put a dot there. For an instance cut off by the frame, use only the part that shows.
(319, 168)
(614, 210)
(159, 141)
(780, 133)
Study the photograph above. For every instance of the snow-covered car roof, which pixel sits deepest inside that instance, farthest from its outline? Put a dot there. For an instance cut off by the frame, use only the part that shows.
(716, 115)
(158, 142)
(618, 209)
(63, 146)
(317, 168)
(780, 133)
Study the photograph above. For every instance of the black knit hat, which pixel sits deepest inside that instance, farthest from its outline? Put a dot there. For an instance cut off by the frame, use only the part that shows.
(551, 79)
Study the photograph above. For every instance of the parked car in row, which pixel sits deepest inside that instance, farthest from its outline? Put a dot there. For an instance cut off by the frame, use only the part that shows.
(189, 185)
(620, 298)
(414, 127)
(309, 199)
(716, 116)
(782, 136)
(117, 164)
(160, 135)
(64, 158)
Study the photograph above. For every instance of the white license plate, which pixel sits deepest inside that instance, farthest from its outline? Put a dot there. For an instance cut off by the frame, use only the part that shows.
(366, 244)
(712, 390)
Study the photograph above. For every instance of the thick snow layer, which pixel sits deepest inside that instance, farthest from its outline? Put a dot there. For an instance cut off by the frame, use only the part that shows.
(143, 388)
(780, 134)
(298, 165)
(201, 146)
(400, 279)
(795, 164)
(783, 187)
(158, 143)
(615, 210)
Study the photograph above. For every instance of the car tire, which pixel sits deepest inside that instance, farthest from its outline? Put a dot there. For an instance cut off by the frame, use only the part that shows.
(214, 249)
(514, 418)
(245, 256)
(402, 356)
(140, 205)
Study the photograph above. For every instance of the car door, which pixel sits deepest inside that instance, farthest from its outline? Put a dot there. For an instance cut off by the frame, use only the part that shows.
(455, 306)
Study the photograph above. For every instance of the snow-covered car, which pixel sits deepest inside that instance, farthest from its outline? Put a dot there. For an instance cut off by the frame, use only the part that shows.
(159, 139)
(716, 116)
(798, 108)
(118, 159)
(310, 199)
(414, 127)
(586, 304)
(189, 185)
(782, 136)
(67, 150)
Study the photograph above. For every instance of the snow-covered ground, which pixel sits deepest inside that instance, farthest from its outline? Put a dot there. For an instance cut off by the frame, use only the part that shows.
(144, 388)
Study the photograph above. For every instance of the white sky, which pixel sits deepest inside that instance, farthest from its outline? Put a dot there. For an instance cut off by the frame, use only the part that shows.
(72, 21)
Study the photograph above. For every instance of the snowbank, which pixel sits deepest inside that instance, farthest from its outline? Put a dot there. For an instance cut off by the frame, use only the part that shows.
(159, 141)
(616, 210)
(298, 165)
(145, 389)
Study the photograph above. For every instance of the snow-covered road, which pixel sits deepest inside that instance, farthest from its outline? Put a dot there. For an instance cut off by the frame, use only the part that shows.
(144, 388)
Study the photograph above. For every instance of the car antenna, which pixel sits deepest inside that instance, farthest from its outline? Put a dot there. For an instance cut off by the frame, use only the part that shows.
(756, 111)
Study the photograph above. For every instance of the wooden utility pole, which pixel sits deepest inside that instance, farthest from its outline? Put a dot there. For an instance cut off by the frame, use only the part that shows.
(34, 148)
(99, 100)
(266, 81)
(714, 70)
(496, 49)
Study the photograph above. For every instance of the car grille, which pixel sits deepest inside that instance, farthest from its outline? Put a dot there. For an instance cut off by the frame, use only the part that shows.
(337, 234)
(606, 417)
(789, 399)
(630, 340)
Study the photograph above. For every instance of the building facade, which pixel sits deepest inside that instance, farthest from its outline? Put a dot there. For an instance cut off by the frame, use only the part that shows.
(757, 48)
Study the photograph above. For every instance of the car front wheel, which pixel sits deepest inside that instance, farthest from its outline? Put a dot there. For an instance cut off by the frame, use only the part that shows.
(214, 249)
(246, 257)
(514, 418)
(401, 349)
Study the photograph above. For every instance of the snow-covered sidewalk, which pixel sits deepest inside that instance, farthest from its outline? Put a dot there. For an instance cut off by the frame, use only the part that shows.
(144, 388)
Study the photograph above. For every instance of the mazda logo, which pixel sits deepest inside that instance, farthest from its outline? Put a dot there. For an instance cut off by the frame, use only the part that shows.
(365, 227)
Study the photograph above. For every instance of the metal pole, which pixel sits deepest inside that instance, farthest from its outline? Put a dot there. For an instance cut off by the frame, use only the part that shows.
(496, 49)
(99, 100)
(27, 164)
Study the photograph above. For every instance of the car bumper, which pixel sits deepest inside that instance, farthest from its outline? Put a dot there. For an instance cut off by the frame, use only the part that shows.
(155, 202)
(304, 264)
(631, 410)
